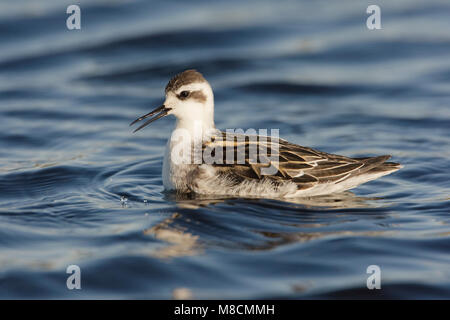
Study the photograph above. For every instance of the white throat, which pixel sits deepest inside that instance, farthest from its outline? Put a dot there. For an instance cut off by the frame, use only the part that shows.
(194, 125)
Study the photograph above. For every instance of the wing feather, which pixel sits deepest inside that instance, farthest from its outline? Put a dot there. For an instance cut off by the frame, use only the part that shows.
(303, 166)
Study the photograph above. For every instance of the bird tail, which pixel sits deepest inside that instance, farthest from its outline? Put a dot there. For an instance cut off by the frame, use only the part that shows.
(387, 167)
(375, 167)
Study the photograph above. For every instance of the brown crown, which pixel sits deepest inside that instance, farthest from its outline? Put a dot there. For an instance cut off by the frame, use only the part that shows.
(183, 78)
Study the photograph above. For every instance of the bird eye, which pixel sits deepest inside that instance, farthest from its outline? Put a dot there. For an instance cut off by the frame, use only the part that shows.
(184, 94)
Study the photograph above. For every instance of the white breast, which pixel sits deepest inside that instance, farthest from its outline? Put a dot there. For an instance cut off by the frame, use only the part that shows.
(175, 171)
(166, 169)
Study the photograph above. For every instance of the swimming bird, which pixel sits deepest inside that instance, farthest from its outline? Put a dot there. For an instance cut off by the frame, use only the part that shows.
(204, 160)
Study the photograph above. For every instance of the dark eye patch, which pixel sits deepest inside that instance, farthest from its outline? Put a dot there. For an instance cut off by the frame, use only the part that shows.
(195, 95)
(183, 95)
(198, 96)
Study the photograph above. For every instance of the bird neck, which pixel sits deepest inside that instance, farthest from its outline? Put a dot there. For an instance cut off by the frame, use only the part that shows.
(196, 129)
(198, 122)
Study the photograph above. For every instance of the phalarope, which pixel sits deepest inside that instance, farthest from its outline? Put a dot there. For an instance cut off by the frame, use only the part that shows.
(299, 171)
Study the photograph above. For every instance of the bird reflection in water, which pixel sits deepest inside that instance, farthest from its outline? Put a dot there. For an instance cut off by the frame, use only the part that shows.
(343, 200)
(178, 242)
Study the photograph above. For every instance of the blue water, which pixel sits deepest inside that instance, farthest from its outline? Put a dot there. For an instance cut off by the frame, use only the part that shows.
(77, 187)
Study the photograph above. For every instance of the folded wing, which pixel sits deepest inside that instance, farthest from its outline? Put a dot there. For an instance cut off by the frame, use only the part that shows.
(248, 157)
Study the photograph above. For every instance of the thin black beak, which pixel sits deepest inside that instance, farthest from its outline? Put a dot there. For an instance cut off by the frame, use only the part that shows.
(160, 112)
